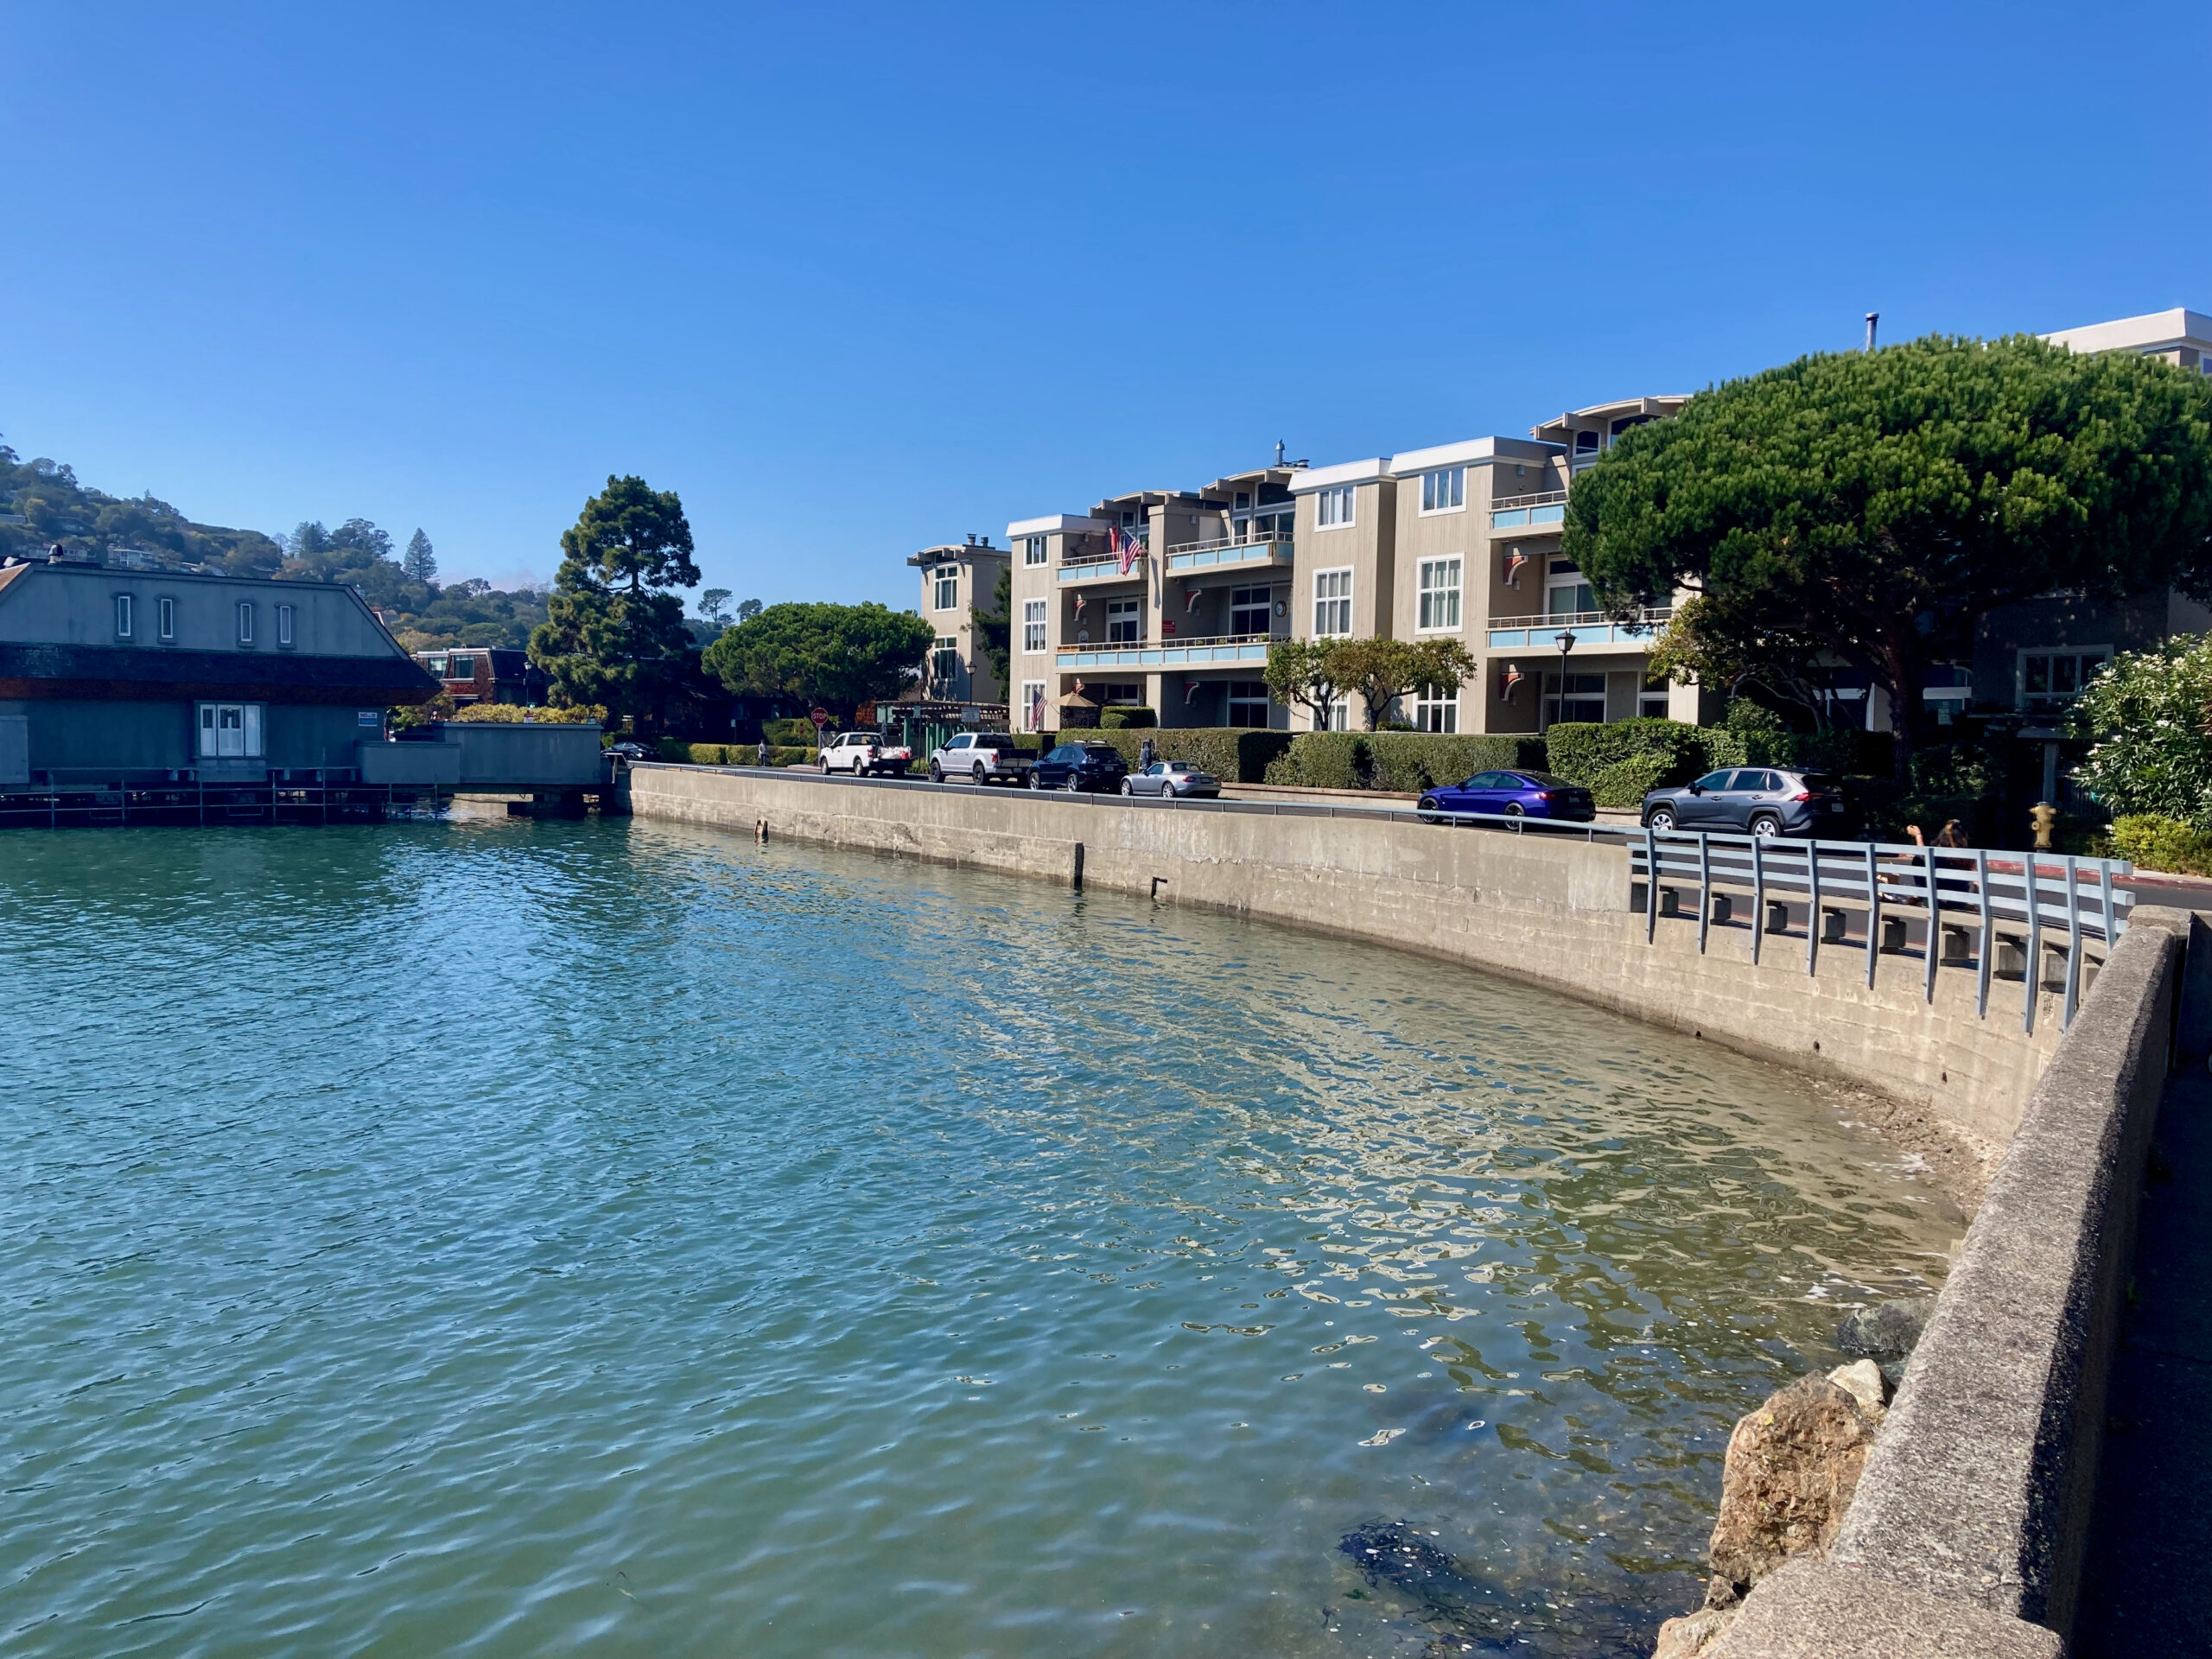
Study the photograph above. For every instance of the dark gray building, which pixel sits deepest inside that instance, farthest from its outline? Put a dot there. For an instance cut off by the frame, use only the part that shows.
(144, 676)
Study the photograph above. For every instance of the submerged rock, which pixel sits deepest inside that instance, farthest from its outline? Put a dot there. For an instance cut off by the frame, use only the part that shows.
(1791, 1468)
(1692, 1633)
(1887, 1330)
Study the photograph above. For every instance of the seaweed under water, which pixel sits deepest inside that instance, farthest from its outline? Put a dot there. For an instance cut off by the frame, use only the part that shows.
(1468, 1610)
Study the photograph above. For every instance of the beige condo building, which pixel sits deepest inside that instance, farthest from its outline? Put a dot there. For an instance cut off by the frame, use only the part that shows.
(956, 579)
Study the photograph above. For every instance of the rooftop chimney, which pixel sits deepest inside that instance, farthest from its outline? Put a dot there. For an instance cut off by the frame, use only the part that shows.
(1872, 317)
(1278, 452)
(971, 538)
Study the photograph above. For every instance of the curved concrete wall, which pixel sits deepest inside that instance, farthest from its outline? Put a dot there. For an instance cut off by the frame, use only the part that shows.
(1550, 909)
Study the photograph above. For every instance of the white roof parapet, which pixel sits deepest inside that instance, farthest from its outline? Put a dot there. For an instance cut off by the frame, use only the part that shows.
(2152, 332)
(1345, 471)
(1470, 452)
(1051, 522)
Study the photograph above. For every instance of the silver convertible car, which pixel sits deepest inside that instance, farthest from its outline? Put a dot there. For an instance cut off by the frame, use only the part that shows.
(1171, 778)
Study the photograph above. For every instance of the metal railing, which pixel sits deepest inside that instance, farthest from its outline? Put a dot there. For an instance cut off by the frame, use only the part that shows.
(2002, 904)
(1650, 616)
(1540, 499)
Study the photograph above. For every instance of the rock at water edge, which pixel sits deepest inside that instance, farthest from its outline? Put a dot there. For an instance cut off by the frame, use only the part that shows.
(1791, 1468)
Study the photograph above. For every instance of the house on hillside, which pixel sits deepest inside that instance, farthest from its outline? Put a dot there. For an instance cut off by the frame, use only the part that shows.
(126, 674)
(486, 674)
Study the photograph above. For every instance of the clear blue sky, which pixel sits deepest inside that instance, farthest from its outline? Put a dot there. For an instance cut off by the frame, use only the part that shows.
(856, 279)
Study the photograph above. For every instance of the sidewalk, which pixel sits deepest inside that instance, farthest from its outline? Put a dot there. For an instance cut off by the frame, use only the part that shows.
(2147, 1584)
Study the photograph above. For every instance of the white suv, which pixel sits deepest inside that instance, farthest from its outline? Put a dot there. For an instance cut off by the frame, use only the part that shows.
(865, 754)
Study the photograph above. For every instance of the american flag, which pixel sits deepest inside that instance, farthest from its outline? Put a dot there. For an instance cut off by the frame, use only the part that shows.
(1037, 709)
(1125, 546)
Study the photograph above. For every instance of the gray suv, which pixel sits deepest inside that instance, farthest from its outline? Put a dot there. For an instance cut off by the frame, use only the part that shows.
(1752, 800)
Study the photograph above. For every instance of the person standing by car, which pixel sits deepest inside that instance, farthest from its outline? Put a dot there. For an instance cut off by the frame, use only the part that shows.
(1146, 754)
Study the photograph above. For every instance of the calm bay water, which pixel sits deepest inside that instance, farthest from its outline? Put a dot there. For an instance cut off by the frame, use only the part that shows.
(511, 1239)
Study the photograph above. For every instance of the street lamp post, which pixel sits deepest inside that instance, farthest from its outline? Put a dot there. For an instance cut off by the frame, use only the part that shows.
(1565, 645)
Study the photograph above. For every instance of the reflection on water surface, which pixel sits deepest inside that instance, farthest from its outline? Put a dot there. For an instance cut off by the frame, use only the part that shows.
(513, 1238)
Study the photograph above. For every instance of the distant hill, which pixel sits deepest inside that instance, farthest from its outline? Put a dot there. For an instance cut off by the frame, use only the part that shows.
(42, 503)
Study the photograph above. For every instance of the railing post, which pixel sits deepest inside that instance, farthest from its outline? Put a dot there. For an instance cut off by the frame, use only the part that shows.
(1812, 906)
(1935, 928)
(1874, 914)
(2073, 942)
(1758, 896)
(1988, 936)
(2035, 944)
(1650, 884)
(1704, 887)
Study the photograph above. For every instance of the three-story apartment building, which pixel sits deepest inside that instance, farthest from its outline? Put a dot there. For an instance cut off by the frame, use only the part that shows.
(957, 578)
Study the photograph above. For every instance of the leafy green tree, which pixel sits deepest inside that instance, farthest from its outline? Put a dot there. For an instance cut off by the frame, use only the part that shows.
(1871, 508)
(421, 563)
(1297, 676)
(748, 609)
(714, 605)
(840, 655)
(994, 627)
(308, 540)
(1382, 671)
(612, 633)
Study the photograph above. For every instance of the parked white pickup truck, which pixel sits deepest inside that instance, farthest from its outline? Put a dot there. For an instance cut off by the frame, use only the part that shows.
(865, 754)
(982, 758)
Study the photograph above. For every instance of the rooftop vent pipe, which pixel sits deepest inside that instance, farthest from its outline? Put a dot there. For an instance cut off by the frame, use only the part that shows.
(1872, 317)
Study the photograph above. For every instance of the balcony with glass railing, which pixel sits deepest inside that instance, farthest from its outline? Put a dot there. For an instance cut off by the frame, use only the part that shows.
(1528, 512)
(1103, 566)
(1590, 628)
(1170, 652)
(1256, 553)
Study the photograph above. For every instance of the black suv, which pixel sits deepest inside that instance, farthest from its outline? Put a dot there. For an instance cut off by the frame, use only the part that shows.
(1080, 765)
(1757, 800)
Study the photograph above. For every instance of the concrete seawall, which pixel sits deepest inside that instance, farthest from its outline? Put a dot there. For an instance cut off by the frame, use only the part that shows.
(1552, 910)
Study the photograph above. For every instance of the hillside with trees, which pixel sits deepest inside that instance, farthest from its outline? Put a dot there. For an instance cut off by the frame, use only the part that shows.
(42, 503)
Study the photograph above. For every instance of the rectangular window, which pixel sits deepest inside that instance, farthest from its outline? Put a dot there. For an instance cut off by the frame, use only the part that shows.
(1570, 599)
(944, 661)
(1032, 625)
(230, 730)
(123, 620)
(246, 625)
(1339, 716)
(948, 587)
(1583, 699)
(165, 618)
(1124, 621)
(1443, 490)
(1332, 604)
(284, 625)
(1439, 596)
(1436, 711)
(1033, 550)
(1248, 704)
(1032, 712)
(1333, 508)
(1247, 611)
(2051, 678)
(464, 668)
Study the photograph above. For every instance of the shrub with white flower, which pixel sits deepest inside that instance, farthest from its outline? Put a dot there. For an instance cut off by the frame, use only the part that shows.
(2147, 716)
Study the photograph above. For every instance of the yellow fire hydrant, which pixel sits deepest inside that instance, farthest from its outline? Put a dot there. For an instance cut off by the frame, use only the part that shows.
(2044, 816)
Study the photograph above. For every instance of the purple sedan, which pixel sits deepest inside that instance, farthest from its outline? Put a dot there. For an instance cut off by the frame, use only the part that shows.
(1513, 794)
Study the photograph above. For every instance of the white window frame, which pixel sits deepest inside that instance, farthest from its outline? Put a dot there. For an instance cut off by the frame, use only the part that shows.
(1125, 614)
(214, 722)
(245, 622)
(126, 618)
(1443, 490)
(1264, 605)
(1231, 702)
(1556, 700)
(285, 630)
(1437, 609)
(1575, 585)
(165, 618)
(945, 579)
(1332, 589)
(1434, 712)
(1033, 550)
(2024, 698)
(1032, 694)
(1336, 507)
(1036, 622)
(1338, 717)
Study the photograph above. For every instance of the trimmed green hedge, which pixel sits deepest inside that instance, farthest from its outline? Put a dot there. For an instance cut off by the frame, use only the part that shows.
(789, 733)
(1124, 717)
(1407, 761)
(736, 754)
(1582, 751)
(1233, 754)
(1628, 780)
